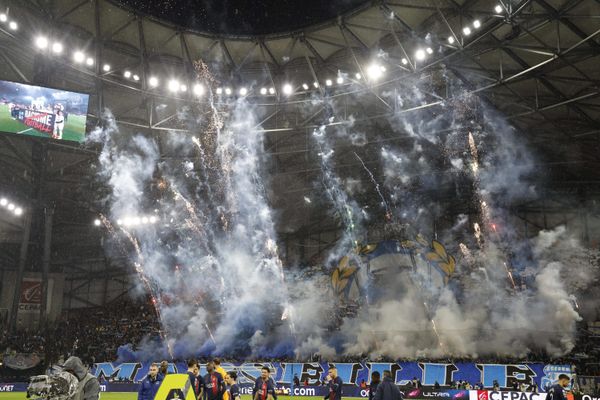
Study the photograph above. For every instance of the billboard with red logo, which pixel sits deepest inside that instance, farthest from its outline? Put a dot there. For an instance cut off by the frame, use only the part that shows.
(31, 294)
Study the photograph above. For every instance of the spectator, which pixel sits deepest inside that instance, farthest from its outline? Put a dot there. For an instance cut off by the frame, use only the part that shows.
(387, 389)
(375, 380)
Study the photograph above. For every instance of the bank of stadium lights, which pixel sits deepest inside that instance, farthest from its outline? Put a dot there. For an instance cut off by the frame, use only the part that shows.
(498, 9)
(173, 85)
(153, 81)
(79, 57)
(219, 90)
(466, 31)
(127, 74)
(316, 84)
(375, 71)
(228, 91)
(420, 55)
(97, 222)
(451, 39)
(404, 61)
(10, 206)
(137, 220)
(136, 77)
(263, 91)
(271, 90)
(41, 42)
(328, 82)
(89, 61)
(57, 47)
(340, 80)
(358, 76)
(198, 89)
(305, 86)
(287, 89)
(12, 25)
(476, 24)
(106, 68)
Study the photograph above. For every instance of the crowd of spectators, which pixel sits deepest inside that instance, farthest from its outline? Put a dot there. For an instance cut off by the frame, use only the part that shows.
(93, 334)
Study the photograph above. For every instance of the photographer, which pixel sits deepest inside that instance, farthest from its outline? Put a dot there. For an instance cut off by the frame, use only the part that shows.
(88, 387)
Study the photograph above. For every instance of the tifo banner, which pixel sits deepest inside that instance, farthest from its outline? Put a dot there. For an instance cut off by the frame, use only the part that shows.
(21, 361)
(353, 374)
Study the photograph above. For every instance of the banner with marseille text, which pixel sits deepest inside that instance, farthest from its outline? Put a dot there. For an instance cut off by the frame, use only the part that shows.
(357, 374)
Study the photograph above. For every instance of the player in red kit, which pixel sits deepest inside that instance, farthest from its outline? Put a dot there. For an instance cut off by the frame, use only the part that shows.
(264, 387)
(212, 387)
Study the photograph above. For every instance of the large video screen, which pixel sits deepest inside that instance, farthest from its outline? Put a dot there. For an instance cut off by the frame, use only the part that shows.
(44, 112)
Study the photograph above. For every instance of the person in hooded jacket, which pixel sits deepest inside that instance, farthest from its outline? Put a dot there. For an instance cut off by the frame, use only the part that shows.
(387, 389)
(88, 387)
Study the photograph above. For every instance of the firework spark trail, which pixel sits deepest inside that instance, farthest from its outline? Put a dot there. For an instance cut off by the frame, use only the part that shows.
(205, 177)
(483, 206)
(377, 188)
(194, 223)
(437, 335)
(510, 276)
(332, 184)
(197, 303)
(151, 287)
(474, 155)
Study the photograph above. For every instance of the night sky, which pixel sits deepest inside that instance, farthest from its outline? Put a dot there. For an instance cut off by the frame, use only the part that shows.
(244, 17)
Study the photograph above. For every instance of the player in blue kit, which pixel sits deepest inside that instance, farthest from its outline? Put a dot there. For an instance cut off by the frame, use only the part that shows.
(264, 387)
(234, 390)
(557, 391)
(335, 384)
(212, 387)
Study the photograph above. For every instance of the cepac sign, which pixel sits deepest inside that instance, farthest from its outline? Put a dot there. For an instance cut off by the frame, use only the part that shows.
(495, 395)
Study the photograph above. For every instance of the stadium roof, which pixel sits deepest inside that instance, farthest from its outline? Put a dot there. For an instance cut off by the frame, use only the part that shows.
(239, 17)
(536, 61)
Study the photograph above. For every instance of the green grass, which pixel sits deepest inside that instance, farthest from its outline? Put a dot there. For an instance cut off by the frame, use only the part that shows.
(74, 127)
(133, 396)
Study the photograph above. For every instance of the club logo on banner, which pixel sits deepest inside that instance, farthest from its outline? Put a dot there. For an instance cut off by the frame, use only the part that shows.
(31, 296)
(482, 395)
(21, 361)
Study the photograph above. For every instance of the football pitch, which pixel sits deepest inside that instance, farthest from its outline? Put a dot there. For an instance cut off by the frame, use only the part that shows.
(133, 396)
(74, 127)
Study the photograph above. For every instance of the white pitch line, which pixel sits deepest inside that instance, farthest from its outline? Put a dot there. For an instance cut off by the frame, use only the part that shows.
(28, 129)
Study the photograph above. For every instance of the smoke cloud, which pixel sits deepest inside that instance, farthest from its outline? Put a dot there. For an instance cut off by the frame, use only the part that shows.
(213, 268)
